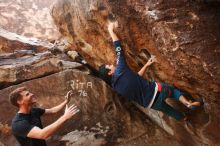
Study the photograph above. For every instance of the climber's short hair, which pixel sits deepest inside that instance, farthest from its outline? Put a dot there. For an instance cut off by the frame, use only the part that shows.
(103, 74)
(15, 95)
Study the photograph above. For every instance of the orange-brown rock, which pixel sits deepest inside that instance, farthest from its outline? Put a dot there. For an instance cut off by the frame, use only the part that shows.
(102, 120)
(184, 36)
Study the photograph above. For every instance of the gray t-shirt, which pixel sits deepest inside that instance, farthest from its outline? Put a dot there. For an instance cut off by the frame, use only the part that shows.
(23, 123)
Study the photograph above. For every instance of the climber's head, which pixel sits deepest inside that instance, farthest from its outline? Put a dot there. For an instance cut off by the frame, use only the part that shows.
(106, 72)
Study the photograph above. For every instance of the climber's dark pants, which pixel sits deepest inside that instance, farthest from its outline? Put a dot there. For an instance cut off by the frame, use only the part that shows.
(168, 91)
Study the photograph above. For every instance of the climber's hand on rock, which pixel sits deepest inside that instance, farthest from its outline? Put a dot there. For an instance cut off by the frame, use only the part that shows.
(116, 24)
(112, 26)
(152, 60)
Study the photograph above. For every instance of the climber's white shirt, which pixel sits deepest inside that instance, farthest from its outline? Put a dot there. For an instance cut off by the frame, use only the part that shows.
(155, 93)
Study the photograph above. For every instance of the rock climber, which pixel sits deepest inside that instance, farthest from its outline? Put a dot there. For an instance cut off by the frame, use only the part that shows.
(26, 125)
(134, 87)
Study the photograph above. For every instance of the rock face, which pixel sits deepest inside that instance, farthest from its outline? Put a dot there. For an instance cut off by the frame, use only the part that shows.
(10, 42)
(30, 18)
(25, 58)
(184, 36)
(102, 120)
(19, 67)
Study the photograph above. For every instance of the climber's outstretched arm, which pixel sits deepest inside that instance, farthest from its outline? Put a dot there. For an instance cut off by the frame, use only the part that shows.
(149, 62)
(120, 60)
(111, 27)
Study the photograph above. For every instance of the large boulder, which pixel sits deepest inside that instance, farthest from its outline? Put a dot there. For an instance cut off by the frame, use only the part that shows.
(10, 42)
(23, 58)
(28, 18)
(26, 65)
(184, 36)
(102, 120)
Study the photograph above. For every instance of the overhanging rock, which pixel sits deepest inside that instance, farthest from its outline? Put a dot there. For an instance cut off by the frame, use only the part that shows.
(184, 36)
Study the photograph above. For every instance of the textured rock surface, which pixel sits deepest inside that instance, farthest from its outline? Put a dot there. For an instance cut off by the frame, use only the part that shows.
(184, 36)
(10, 42)
(102, 120)
(30, 18)
(29, 66)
